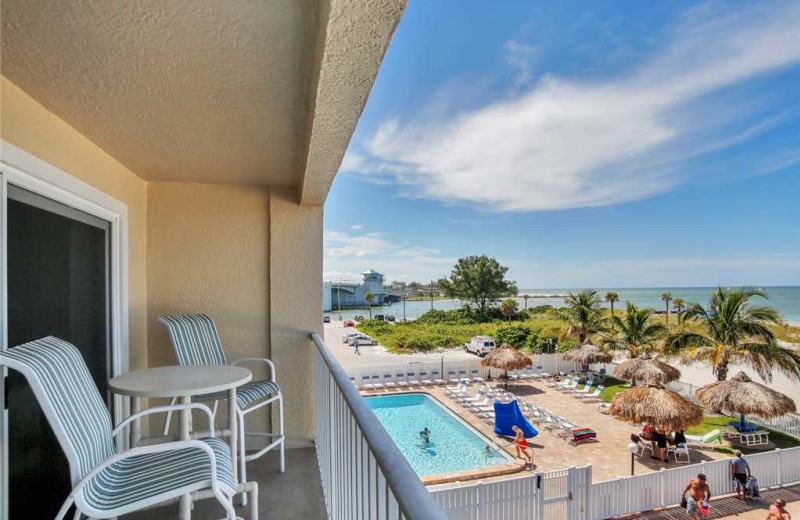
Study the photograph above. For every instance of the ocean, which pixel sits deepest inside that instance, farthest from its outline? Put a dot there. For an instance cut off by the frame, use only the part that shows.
(785, 299)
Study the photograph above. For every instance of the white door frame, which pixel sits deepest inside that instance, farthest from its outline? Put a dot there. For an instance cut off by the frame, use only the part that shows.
(22, 169)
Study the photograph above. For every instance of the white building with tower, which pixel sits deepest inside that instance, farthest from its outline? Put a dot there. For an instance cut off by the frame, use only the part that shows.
(348, 294)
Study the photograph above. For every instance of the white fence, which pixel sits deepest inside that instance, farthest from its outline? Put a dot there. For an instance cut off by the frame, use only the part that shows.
(441, 369)
(569, 494)
(556, 495)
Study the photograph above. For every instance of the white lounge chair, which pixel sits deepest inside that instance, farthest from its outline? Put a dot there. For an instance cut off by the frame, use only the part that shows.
(593, 395)
(476, 376)
(388, 382)
(106, 481)
(423, 375)
(451, 377)
(565, 382)
(411, 377)
(438, 381)
(587, 389)
(569, 387)
(366, 385)
(376, 382)
(401, 380)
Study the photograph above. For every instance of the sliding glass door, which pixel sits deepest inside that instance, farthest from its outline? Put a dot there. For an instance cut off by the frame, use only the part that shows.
(58, 283)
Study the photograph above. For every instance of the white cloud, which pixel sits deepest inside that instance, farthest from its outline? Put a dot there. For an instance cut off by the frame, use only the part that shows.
(348, 254)
(565, 143)
(357, 227)
(521, 58)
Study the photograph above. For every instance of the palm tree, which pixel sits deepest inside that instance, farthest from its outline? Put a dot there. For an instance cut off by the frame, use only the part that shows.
(728, 330)
(637, 332)
(369, 298)
(679, 304)
(525, 297)
(612, 297)
(667, 297)
(508, 308)
(583, 315)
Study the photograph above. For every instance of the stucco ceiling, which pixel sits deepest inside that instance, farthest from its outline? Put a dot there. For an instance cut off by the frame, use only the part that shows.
(183, 90)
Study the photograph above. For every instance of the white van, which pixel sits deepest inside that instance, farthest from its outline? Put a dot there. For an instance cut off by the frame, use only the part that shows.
(480, 345)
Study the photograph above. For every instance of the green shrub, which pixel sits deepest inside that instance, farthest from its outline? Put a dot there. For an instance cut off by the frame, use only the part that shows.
(540, 309)
(566, 345)
(514, 335)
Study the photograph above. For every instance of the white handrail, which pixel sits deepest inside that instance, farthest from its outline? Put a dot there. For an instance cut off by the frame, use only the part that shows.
(362, 468)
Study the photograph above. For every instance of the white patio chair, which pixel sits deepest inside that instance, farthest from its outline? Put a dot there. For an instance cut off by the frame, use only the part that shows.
(437, 380)
(108, 482)
(389, 382)
(196, 342)
(681, 453)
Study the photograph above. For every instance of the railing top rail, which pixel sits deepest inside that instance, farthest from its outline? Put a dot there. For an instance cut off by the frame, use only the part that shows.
(414, 500)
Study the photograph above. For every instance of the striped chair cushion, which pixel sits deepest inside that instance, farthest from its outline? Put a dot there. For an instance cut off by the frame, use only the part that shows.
(195, 339)
(143, 476)
(246, 394)
(67, 389)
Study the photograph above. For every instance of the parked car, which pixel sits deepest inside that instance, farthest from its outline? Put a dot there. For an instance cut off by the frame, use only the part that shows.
(359, 318)
(389, 317)
(480, 345)
(363, 339)
(326, 319)
(379, 317)
(347, 336)
(349, 323)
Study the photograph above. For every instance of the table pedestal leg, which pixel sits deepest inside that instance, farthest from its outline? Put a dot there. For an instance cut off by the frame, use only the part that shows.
(233, 425)
(185, 508)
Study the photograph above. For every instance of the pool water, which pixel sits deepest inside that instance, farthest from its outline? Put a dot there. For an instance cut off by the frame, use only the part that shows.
(454, 445)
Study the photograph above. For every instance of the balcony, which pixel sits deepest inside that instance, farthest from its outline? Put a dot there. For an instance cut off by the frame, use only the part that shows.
(356, 470)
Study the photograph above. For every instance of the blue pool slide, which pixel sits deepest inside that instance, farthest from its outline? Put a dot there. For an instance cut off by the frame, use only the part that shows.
(507, 415)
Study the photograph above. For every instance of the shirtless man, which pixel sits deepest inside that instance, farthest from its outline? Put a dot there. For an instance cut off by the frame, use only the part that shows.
(777, 511)
(699, 492)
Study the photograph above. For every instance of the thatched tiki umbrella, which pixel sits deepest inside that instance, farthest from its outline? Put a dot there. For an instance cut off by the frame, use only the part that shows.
(662, 408)
(647, 369)
(743, 396)
(506, 358)
(587, 354)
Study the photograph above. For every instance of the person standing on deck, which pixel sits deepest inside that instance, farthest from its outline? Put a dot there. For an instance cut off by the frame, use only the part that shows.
(740, 470)
(699, 495)
(355, 344)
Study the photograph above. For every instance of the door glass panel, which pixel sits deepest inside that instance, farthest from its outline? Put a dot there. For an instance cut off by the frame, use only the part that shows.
(58, 284)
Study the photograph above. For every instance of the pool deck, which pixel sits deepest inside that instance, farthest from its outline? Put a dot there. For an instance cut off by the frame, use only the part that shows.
(608, 455)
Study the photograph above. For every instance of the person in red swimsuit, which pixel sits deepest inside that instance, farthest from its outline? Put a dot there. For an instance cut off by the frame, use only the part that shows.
(521, 444)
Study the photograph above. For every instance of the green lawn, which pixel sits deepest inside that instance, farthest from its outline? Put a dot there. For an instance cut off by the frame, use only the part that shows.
(613, 387)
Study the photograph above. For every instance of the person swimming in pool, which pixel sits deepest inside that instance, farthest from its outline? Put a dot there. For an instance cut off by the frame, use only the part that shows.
(425, 434)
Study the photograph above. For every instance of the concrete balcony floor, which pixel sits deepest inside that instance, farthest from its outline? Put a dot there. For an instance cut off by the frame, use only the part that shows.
(295, 494)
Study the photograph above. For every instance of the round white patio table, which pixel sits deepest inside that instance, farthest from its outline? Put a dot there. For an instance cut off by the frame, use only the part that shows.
(183, 382)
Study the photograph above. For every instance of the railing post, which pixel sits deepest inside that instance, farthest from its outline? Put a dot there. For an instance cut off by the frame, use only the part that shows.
(780, 466)
(482, 509)
(663, 486)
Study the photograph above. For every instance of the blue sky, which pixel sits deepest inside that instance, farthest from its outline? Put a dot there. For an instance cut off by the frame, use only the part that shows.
(603, 144)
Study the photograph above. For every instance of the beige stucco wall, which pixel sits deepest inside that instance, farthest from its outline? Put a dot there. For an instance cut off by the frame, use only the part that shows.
(28, 125)
(208, 251)
(296, 306)
(250, 258)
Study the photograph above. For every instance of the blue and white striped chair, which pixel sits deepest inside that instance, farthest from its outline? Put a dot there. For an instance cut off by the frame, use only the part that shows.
(196, 342)
(108, 482)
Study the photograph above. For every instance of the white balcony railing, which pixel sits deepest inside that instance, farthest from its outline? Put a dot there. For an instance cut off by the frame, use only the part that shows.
(364, 474)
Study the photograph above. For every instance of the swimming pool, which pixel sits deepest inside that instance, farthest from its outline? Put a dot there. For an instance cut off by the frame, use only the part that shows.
(454, 445)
